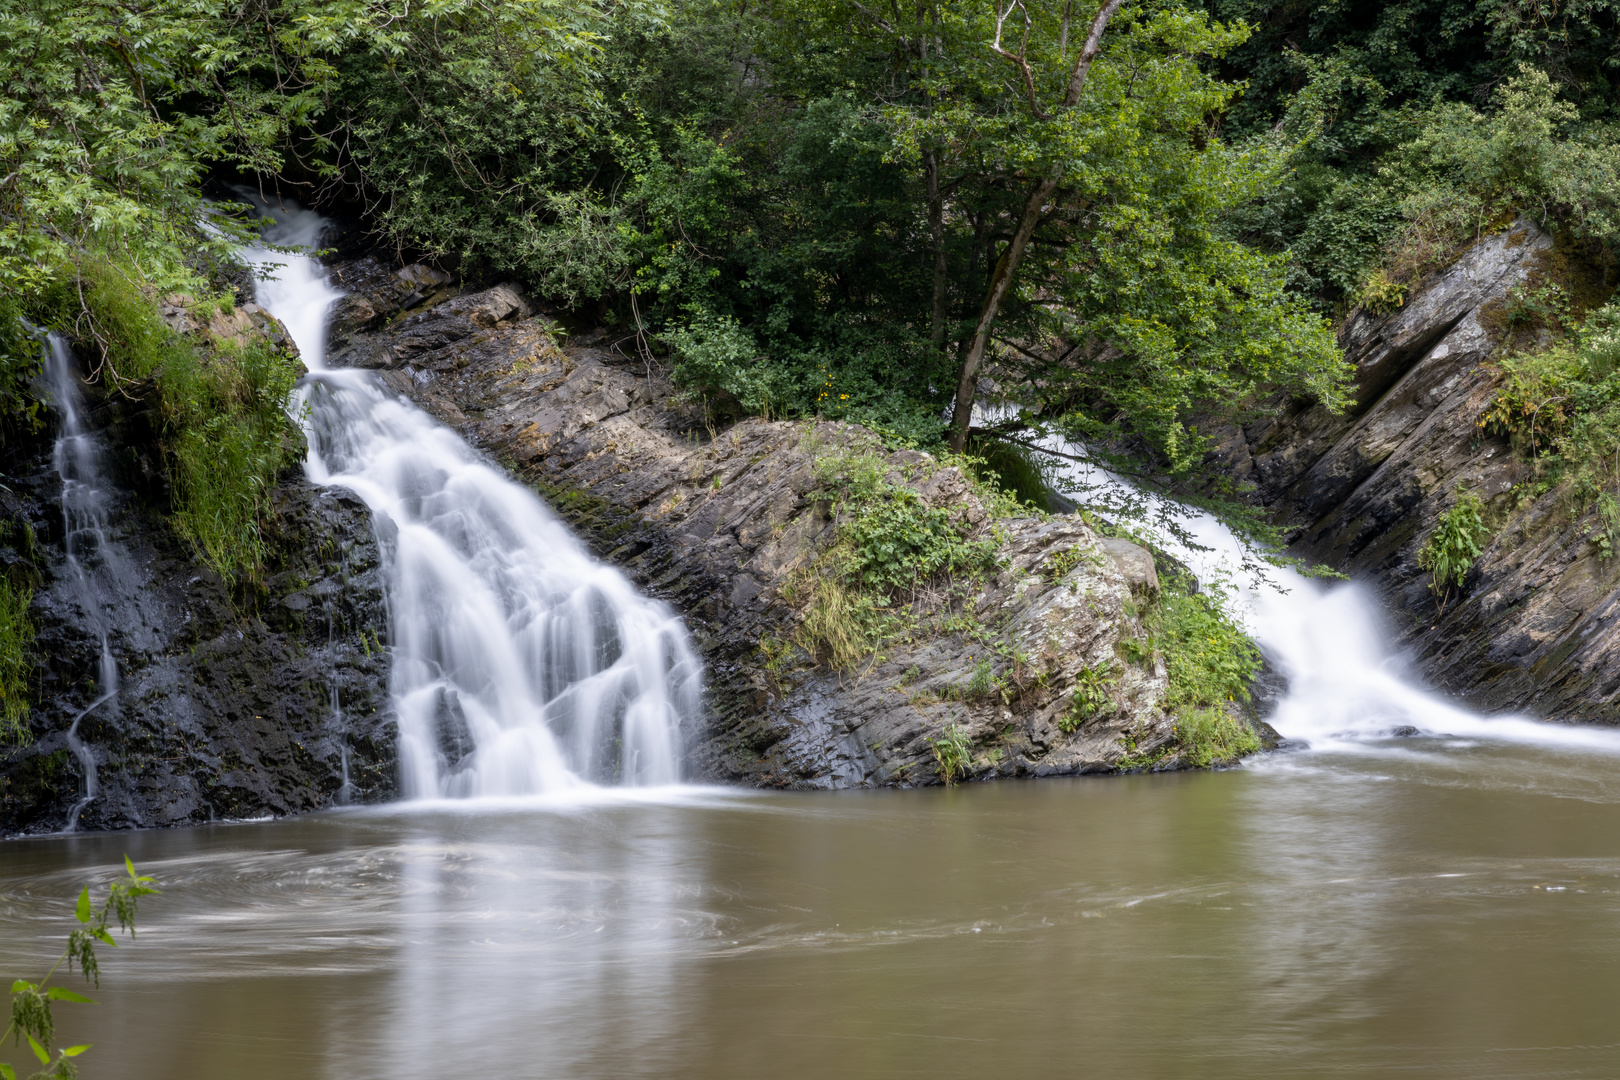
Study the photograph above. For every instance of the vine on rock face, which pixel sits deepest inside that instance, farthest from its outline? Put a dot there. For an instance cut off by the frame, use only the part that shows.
(32, 1003)
(1454, 545)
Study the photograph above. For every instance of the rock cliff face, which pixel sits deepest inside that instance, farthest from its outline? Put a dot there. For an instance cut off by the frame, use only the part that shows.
(274, 701)
(724, 524)
(228, 706)
(1533, 626)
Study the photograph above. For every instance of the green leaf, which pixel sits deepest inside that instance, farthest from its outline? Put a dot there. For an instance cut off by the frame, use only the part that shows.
(22, 986)
(75, 1051)
(39, 1051)
(104, 937)
(83, 910)
(62, 993)
(7, 1072)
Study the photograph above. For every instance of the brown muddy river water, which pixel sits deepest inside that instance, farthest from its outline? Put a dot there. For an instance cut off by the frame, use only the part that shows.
(1420, 907)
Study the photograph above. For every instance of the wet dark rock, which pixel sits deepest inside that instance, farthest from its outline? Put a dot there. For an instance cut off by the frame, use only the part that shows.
(229, 706)
(1533, 625)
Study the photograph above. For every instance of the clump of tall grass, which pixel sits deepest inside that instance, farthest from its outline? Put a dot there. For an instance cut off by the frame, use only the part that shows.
(226, 432)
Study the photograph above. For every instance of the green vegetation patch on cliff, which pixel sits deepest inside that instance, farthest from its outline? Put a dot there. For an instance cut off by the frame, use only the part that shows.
(895, 568)
(1211, 662)
(1560, 409)
(222, 402)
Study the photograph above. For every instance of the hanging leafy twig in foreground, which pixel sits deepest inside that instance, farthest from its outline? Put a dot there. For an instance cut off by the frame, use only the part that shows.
(31, 1003)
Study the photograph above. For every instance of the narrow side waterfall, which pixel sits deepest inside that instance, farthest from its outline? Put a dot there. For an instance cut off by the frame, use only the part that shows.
(77, 460)
(1348, 690)
(521, 665)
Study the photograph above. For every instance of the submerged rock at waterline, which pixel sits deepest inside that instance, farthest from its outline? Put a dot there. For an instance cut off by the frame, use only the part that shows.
(270, 700)
(728, 526)
(1532, 625)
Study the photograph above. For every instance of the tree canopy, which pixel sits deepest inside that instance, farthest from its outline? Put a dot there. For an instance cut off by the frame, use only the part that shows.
(1127, 215)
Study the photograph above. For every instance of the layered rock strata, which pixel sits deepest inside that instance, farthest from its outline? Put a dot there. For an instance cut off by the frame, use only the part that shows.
(1532, 627)
(725, 524)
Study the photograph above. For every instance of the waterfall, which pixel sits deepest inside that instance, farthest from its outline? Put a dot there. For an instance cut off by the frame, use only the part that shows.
(77, 460)
(1347, 689)
(520, 664)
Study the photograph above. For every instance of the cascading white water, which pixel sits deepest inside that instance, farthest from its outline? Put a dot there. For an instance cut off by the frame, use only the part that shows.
(520, 664)
(76, 458)
(1347, 690)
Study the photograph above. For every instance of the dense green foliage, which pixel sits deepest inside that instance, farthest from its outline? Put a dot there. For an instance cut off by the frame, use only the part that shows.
(1435, 120)
(1210, 662)
(33, 1003)
(806, 201)
(1127, 216)
(1208, 656)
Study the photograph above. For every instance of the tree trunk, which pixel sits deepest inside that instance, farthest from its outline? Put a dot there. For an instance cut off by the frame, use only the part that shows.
(1007, 268)
(1000, 282)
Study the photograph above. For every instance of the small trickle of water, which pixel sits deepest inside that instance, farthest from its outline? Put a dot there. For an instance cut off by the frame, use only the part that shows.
(77, 459)
(520, 664)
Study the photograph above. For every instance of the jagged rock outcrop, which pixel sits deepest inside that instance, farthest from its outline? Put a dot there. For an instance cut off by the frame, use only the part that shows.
(269, 701)
(1534, 625)
(725, 524)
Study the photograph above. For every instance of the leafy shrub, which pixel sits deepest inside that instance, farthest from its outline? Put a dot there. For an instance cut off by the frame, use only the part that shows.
(897, 541)
(894, 540)
(1560, 408)
(16, 645)
(952, 752)
(1209, 659)
(1454, 544)
(32, 1004)
(1379, 293)
(1535, 397)
(715, 356)
(1212, 736)
(887, 543)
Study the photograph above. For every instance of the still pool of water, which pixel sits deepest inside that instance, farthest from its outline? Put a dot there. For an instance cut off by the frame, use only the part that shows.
(1429, 907)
